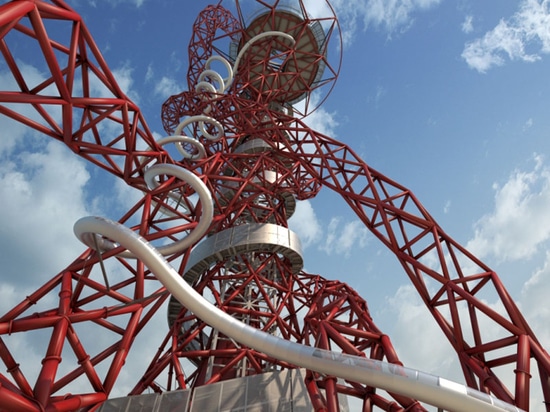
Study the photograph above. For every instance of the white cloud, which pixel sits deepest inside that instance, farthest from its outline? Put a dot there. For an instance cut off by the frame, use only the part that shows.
(44, 189)
(168, 86)
(389, 15)
(320, 120)
(46, 192)
(9, 140)
(534, 301)
(123, 76)
(514, 230)
(447, 207)
(317, 9)
(149, 75)
(520, 221)
(136, 3)
(356, 15)
(305, 223)
(337, 238)
(124, 79)
(341, 237)
(378, 95)
(415, 333)
(534, 306)
(511, 38)
(430, 351)
(468, 24)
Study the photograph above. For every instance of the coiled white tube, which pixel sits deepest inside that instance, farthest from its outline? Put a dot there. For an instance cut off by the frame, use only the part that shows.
(204, 87)
(103, 244)
(200, 152)
(223, 83)
(393, 378)
(202, 120)
(180, 140)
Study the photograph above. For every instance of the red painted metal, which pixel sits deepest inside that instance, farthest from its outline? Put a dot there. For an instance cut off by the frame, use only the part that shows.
(265, 291)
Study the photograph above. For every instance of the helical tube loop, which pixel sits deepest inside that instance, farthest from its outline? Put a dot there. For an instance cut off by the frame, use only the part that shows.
(205, 87)
(102, 244)
(181, 138)
(202, 86)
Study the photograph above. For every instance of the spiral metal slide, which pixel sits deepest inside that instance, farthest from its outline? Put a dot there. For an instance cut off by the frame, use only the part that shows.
(393, 378)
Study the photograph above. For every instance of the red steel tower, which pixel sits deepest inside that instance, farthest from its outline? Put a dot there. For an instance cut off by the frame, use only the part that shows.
(243, 147)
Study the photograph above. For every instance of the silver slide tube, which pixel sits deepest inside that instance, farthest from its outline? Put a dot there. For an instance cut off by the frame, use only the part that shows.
(194, 236)
(393, 378)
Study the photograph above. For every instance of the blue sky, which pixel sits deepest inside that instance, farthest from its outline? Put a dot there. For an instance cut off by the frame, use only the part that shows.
(449, 98)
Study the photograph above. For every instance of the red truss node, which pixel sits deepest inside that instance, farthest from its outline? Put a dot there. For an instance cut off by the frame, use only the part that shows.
(244, 140)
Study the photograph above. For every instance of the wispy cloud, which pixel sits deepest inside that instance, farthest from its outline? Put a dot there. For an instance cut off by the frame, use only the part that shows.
(40, 192)
(511, 38)
(417, 350)
(12, 132)
(338, 238)
(343, 237)
(149, 75)
(534, 298)
(124, 78)
(447, 207)
(305, 223)
(136, 3)
(388, 15)
(528, 124)
(520, 220)
(168, 86)
(468, 24)
(377, 96)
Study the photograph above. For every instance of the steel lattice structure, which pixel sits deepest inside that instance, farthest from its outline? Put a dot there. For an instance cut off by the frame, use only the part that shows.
(244, 138)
